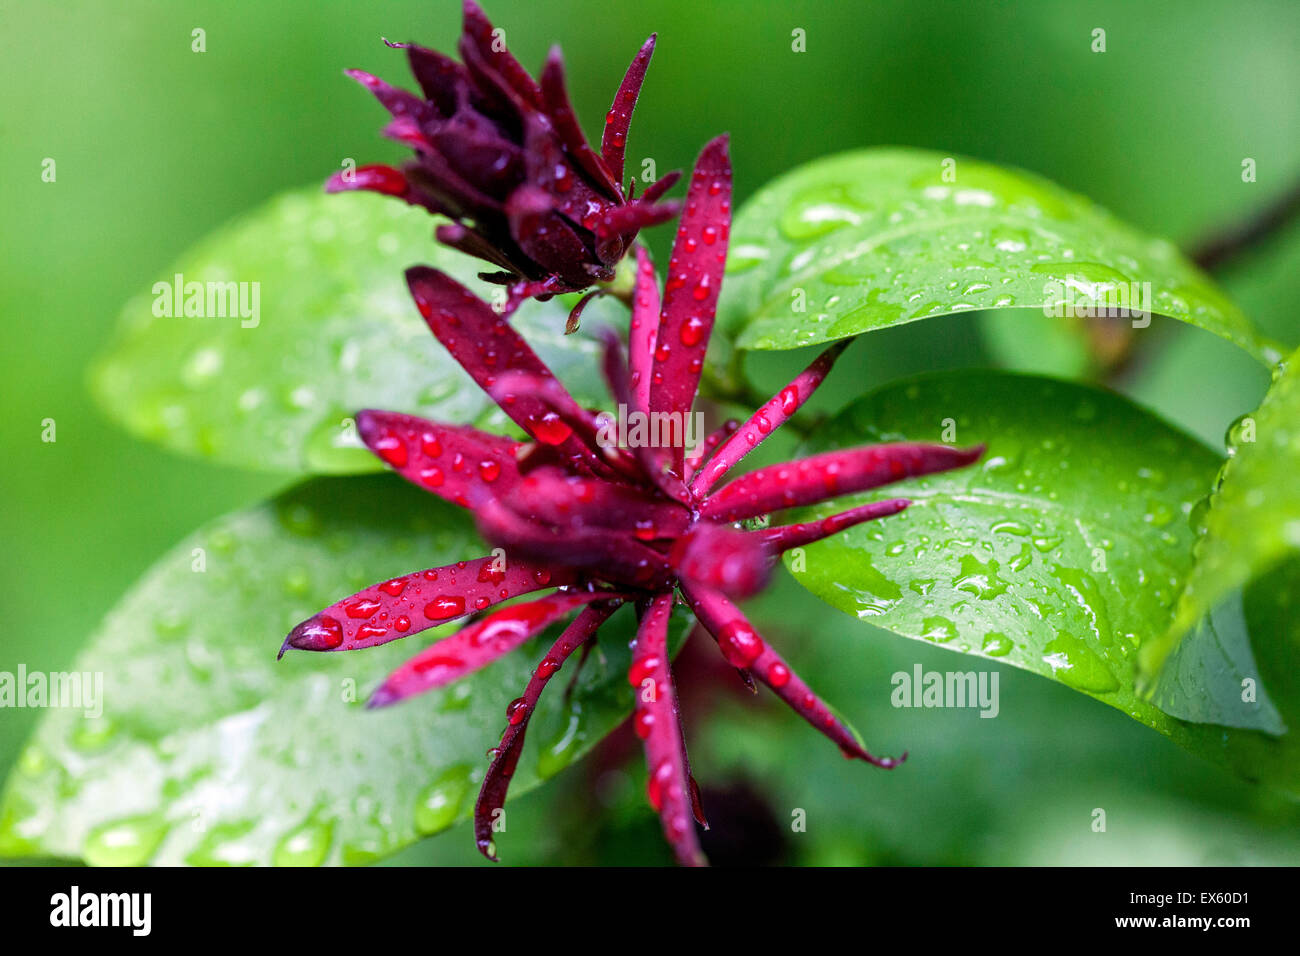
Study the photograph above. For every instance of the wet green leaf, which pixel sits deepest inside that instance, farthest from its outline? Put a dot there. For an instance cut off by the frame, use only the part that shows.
(1236, 605)
(333, 331)
(874, 238)
(1251, 520)
(209, 751)
(1061, 552)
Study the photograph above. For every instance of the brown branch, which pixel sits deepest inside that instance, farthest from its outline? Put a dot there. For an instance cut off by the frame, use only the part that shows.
(1218, 249)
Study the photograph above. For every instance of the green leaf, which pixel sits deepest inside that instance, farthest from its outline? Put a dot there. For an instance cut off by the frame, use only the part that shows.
(1250, 522)
(334, 331)
(1236, 605)
(210, 751)
(1061, 552)
(875, 238)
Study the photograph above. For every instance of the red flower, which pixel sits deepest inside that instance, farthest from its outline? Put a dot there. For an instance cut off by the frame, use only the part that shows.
(504, 158)
(603, 524)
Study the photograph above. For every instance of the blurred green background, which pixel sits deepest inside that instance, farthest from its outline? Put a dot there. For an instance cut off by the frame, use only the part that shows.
(155, 145)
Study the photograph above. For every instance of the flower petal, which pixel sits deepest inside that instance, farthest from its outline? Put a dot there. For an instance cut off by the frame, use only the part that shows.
(472, 146)
(385, 180)
(440, 77)
(710, 443)
(491, 46)
(829, 475)
(783, 538)
(482, 341)
(742, 646)
(565, 423)
(614, 364)
(434, 176)
(547, 238)
(627, 219)
(550, 169)
(653, 461)
(448, 460)
(411, 603)
(498, 251)
(613, 143)
(599, 551)
(496, 782)
(661, 185)
(656, 723)
(691, 290)
(556, 105)
(397, 101)
(574, 503)
(478, 644)
(774, 413)
(719, 557)
(494, 93)
(643, 328)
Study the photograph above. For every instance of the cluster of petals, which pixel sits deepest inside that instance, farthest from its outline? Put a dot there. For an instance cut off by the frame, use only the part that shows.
(586, 526)
(503, 158)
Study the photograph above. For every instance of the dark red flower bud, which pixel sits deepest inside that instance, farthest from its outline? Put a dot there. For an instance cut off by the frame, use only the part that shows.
(502, 156)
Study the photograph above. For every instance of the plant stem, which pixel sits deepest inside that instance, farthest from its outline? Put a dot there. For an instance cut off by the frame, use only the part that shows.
(1220, 248)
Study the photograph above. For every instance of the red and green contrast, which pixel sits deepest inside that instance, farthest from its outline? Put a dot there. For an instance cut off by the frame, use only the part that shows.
(595, 525)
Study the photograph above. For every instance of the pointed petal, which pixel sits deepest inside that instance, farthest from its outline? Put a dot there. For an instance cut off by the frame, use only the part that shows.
(477, 645)
(783, 538)
(478, 28)
(472, 242)
(451, 461)
(555, 103)
(614, 366)
(661, 186)
(644, 325)
(396, 101)
(408, 132)
(829, 475)
(742, 646)
(492, 795)
(386, 180)
(574, 322)
(653, 461)
(540, 289)
(551, 169)
(656, 723)
(710, 443)
(626, 220)
(482, 341)
(613, 143)
(691, 290)
(490, 92)
(772, 415)
(411, 603)
(440, 77)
